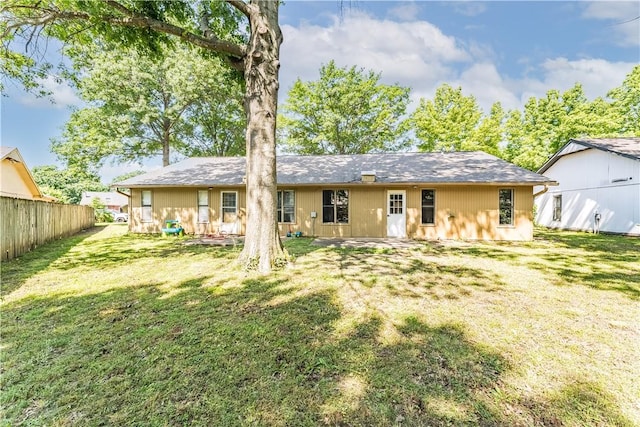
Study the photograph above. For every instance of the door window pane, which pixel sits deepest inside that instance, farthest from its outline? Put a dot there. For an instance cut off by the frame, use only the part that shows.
(229, 206)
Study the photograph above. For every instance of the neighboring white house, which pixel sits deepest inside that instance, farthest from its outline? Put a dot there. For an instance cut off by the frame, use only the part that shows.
(599, 186)
(111, 199)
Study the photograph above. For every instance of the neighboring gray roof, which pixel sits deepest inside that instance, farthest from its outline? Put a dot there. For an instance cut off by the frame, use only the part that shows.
(413, 168)
(107, 197)
(625, 147)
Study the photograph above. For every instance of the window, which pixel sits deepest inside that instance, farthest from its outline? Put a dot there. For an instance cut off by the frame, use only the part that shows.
(335, 206)
(557, 207)
(286, 206)
(229, 206)
(396, 204)
(428, 206)
(146, 206)
(505, 197)
(203, 206)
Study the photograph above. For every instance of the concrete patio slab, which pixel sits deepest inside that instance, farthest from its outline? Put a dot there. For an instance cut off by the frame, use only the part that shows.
(366, 242)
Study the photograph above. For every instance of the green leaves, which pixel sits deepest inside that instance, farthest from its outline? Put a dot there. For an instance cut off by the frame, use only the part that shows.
(448, 121)
(547, 123)
(346, 111)
(452, 121)
(626, 103)
(66, 185)
(141, 106)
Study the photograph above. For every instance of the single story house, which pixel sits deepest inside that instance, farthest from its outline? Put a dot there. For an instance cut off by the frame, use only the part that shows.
(16, 180)
(452, 195)
(599, 186)
(110, 199)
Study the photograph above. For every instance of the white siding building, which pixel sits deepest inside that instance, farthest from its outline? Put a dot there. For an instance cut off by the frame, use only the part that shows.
(599, 187)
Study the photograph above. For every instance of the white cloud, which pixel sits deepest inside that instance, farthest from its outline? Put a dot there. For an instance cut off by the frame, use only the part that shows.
(413, 54)
(483, 81)
(468, 8)
(62, 95)
(405, 12)
(597, 76)
(420, 56)
(623, 16)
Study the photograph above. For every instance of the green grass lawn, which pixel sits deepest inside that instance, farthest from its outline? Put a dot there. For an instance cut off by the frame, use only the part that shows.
(107, 328)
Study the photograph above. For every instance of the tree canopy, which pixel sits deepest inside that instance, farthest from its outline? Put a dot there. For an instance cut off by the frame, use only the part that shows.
(142, 105)
(547, 123)
(626, 102)
(448, 121)
(346, 111)
(66, 185)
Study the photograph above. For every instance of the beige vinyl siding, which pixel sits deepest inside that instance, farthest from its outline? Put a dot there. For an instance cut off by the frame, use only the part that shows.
(366, 213)
(461, 212)
(471, 212)
(181, 204)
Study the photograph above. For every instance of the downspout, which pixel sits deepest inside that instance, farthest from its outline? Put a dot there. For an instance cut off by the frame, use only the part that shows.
(124, 194)
(541, 192)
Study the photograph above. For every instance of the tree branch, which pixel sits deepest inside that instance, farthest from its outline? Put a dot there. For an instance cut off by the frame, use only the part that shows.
(135, 19)
(241, 6)
(44, 16)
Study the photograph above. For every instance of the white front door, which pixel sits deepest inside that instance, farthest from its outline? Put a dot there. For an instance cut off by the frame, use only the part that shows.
(396, 215)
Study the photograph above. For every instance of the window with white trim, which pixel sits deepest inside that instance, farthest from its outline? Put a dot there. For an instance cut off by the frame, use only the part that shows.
(286, 206)
(203, 206)
(505, 202)
(335, 206)
(147, 213)
(428, 207)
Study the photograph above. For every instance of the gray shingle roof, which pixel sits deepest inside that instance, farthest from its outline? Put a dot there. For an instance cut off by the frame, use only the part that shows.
(391, 168)
(626, 147)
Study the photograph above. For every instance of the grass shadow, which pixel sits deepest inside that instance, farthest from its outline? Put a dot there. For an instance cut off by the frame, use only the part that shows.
(406, 274)
(577, 403)
(602, 262)
(230, 357)
(249, 350)
(13, 273)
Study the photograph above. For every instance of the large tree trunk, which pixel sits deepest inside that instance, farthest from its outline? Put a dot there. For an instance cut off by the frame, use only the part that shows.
(262, 247)
(166, 139)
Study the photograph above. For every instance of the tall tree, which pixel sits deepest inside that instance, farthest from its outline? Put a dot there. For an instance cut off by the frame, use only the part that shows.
(213, 26)
(626, 103)
(142, 105)
(488, 135)
(346, 111)
(66, 185)
(447, 122)
(547, 123)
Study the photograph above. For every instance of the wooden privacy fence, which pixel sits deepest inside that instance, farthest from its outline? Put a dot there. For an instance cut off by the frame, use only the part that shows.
(26, 224)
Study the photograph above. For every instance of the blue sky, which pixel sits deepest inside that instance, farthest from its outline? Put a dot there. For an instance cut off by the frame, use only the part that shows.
(496, 50)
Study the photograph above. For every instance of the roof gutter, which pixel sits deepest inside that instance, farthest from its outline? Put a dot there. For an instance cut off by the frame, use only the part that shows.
(124, 194)
(544, 190)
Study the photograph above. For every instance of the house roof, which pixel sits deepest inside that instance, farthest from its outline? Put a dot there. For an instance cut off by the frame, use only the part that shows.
(12, 154)
(625, 147)
(109, 198)
(389, 168)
